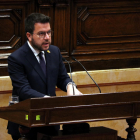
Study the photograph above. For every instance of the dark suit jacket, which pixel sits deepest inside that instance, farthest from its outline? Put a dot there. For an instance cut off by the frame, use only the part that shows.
(28, 79)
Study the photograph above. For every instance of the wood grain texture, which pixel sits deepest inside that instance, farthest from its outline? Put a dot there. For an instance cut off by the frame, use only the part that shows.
(101, 34)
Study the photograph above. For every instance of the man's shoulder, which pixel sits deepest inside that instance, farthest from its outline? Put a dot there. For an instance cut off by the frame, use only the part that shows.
(20, 50)
(53, 47)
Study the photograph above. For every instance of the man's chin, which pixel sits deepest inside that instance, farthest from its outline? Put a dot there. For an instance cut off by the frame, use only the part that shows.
(45, 48)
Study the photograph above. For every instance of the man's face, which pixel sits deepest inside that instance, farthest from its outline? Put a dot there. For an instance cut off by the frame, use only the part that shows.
(37, 40)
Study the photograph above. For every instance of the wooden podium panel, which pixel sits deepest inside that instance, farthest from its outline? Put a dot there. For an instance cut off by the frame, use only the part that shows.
(37, 112)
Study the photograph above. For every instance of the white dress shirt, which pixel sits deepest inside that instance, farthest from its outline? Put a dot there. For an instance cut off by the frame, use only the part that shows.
(36, 52)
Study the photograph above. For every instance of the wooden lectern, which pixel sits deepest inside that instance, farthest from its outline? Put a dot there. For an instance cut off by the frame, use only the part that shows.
(38, 112)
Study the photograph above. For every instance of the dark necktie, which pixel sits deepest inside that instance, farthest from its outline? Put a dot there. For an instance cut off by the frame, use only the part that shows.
(42, 63)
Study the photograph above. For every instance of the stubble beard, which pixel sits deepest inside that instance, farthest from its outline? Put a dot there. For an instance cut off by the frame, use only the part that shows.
(38, 47)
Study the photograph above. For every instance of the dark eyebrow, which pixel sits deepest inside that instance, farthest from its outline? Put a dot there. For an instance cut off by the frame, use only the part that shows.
(44, 32)
(41, 32)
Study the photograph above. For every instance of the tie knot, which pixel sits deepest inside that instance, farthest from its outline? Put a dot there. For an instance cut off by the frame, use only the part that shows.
(40, 54)
(41, 57)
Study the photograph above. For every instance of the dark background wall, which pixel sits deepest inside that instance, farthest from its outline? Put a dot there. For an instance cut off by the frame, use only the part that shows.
(101, 34)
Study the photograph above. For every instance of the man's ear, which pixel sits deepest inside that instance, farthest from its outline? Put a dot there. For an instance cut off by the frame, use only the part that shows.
(29, 36)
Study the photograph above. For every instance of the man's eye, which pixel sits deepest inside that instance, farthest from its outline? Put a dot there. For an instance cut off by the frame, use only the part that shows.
(49, 32)
(42, 33)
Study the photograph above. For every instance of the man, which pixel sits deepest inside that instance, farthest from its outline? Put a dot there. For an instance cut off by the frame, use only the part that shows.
(29, 79)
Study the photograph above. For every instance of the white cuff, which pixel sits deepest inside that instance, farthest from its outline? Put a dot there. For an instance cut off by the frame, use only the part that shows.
(46, 96)
(72, 83)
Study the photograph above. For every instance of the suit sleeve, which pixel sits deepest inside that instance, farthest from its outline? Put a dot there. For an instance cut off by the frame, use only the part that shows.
(63, 77)
(20, 83)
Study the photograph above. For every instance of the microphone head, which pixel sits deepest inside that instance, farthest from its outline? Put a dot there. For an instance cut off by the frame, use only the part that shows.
(73, 58)
(63, 59)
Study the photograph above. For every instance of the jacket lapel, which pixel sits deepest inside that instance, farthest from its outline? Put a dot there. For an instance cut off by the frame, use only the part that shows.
(48, 62)
(34, 63)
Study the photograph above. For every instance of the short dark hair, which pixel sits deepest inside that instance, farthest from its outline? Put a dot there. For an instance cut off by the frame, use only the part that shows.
(35, 18)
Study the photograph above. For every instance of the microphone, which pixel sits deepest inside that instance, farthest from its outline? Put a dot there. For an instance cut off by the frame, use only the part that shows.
(87, 73)
(70, 73)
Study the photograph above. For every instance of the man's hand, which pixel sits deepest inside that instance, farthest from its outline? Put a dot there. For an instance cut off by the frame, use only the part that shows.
(70, 91)
(46, 96)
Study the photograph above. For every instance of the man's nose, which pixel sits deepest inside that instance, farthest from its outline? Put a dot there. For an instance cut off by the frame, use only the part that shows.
(46, 36)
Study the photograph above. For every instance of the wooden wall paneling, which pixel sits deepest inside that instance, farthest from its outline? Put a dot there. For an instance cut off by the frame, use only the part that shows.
(47, 7)
(12, 15)
(100, 34)
(62, 27)
(105, 33)
(10, 37)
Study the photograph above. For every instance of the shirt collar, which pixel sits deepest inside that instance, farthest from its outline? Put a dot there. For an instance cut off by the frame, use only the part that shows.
(35, 51)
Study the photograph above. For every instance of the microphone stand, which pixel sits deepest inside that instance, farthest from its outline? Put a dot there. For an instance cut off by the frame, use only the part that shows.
(87, 73)
(70, 74)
